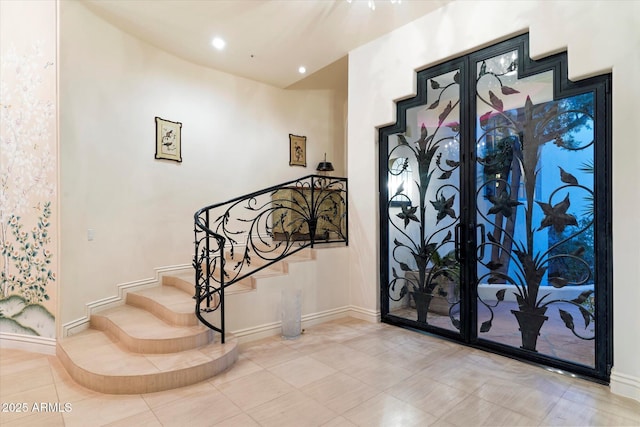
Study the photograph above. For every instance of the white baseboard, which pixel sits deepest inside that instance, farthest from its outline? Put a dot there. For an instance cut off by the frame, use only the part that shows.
(79, 325)
(28, 343)
(361, 313)
(625, 385)
(275, 328)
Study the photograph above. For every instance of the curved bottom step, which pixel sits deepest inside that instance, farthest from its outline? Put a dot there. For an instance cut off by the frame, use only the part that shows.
(97, 363)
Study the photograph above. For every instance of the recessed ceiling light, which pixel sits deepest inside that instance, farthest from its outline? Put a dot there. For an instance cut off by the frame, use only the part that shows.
(302, 70)
(218, 43)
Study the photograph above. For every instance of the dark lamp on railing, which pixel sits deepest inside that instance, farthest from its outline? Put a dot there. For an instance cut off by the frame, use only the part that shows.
(325, 166)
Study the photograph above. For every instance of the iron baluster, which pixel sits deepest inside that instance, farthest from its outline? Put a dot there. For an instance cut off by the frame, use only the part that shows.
(257, 230)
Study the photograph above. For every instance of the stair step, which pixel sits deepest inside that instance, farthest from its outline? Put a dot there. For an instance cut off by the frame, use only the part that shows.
(303, 255)
(245, 285)
(184, 281)
(155, 342)
(278, 269)
(95, 361)
(169, 303)
(256, 261)
(140, 331)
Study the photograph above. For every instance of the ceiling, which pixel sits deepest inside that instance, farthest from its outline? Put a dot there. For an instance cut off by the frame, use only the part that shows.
(267, 40)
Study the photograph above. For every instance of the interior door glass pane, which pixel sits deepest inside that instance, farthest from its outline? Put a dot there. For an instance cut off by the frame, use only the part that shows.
(424, 208)
(535, 213)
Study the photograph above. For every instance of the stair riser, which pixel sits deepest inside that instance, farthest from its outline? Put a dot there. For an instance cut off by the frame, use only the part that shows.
(162, 312)
(150, 346)
(148, 383)
(277, 269)
(188, 287)
(178, 283)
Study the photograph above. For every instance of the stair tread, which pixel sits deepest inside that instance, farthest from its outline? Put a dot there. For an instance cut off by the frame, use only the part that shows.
(141, 324)
(170, 297)
(239, 287)
(268, 273)
(257, 260)
(303, 255)
(186, 275)
(245, 285)
(95, 352)
(242, 286)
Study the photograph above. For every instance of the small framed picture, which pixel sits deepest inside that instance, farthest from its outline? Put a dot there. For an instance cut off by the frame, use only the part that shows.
(297, 150)
(168, 140)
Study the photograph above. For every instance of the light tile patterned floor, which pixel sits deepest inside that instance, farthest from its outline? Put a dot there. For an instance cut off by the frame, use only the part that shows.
(555, 339)
(341, 373)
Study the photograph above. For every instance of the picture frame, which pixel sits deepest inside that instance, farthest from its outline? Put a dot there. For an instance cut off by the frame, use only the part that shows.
(168, 140)
(297, 150)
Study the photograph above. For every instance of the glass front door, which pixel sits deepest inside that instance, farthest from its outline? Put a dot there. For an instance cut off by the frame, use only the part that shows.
(494, 186)
(424, 208)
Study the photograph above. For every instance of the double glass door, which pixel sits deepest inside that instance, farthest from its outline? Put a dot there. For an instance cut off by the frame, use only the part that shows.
(494, 187)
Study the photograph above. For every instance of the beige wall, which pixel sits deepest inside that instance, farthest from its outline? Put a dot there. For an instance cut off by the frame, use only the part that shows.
(599, 36)
(28, 157)
(234, 141)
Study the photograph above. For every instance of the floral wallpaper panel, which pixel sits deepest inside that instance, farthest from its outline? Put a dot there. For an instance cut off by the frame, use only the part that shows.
(28, 162)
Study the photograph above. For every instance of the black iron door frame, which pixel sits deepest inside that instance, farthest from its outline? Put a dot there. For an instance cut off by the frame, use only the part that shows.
(469, 232)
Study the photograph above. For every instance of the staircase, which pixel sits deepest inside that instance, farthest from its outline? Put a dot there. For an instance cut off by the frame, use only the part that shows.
(163, 337)
(151, 343)
(154, 341)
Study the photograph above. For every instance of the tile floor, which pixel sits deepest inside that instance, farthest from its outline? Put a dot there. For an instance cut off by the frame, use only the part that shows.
(555, 339)
(341, 373)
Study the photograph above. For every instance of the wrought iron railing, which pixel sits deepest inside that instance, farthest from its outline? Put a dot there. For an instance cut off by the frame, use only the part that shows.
(238, 238)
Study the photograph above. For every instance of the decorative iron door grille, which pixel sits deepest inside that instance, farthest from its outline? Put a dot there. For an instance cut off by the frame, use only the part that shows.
(495, 209)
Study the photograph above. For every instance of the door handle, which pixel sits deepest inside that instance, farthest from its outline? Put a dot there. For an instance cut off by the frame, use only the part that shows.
(457, 242)
(482, 239)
